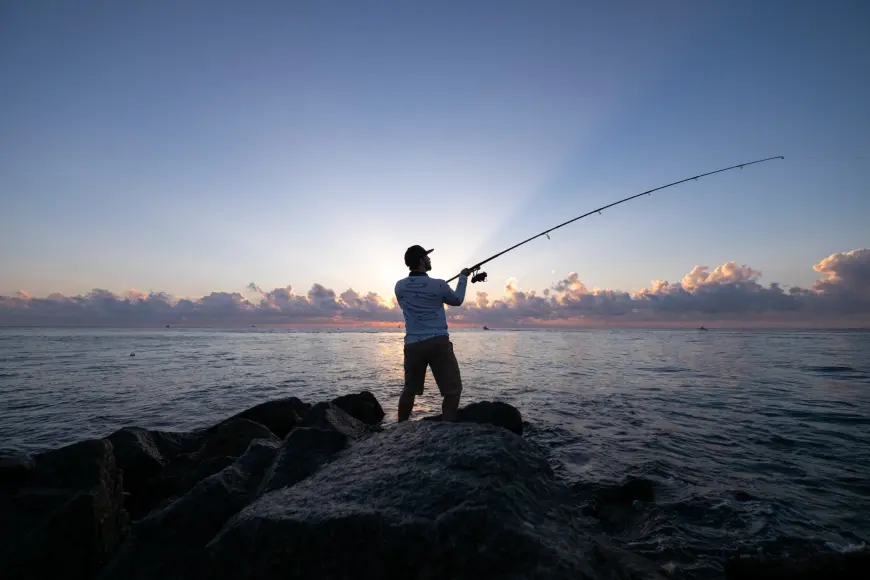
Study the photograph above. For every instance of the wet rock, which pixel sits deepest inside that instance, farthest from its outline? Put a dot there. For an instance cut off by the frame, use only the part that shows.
(232, 438)
(169, 542)
(363, 406)
(491, 413)
(220, 449)
(304, 451)
(279, 416)
(142, 455)
(422, 500)
(69, 520)
(848, 566)
(617, 508)
(137, 455)
(16, 469)
(159, 465)
(330, 417)
(202, 470)
(142, 452)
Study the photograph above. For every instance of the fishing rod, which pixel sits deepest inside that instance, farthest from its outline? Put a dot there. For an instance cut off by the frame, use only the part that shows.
(481, 276)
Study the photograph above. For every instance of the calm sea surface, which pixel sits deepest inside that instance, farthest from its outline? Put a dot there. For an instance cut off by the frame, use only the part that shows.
(753, 440)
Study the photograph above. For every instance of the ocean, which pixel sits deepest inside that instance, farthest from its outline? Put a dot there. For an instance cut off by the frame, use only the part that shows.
(754, 441)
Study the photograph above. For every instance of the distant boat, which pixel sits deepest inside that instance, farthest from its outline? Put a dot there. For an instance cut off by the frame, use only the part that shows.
(485, 327)
(702, 328)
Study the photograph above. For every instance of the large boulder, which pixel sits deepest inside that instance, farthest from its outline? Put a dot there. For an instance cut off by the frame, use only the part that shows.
(232, 438)
(69, 520)
(331, 417)
(491, 413)
(279, 416)
(422, 500)
(304, 451)
(159, 465)
(143, 456)
(169, 543)
(141, 452)
(363, 406)
(220, 448)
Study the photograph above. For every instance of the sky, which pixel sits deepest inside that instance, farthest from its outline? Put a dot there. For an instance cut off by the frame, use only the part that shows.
(164, 154)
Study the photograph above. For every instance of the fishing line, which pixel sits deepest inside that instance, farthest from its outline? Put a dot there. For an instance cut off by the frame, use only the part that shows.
(481, 276)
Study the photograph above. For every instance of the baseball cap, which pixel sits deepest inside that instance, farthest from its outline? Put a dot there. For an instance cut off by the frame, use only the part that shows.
(414, 254)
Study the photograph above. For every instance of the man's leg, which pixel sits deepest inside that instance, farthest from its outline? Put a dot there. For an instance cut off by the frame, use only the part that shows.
(415, 376)
(450, 408)
(445, 368)
(406, 404)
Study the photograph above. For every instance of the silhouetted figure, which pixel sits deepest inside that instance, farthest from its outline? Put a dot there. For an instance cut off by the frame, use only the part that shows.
(427, 342)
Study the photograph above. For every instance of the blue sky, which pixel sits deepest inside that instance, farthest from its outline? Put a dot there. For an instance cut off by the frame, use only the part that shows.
(199, 146)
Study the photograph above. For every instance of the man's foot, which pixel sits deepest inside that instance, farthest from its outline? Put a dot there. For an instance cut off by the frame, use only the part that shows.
(450, 408)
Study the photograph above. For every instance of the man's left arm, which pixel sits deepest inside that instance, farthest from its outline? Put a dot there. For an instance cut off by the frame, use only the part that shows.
(455, 298)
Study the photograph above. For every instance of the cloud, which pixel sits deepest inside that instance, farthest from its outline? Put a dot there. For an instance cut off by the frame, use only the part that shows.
(728, 293)
(846, 279)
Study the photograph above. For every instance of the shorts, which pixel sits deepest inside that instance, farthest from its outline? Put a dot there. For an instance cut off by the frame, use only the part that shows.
(435, 352)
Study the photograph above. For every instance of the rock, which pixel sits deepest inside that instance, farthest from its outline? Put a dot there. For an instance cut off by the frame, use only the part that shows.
(304, 451)
(363, 406)
(617, 508)
(143, 455)
(16, 469)
(489, 412)
(169, 542)
(137, 453)
(279, 416)
(70, 520)
(848, 566)
(202, 470)
(232, 438)
(220, 449)
(329, 416)
(422, 500)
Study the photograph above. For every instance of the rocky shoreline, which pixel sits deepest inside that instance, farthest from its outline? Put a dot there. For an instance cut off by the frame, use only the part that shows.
(287, 489)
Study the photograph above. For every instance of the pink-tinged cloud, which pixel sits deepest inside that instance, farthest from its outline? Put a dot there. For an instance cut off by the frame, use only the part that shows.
(729, 294)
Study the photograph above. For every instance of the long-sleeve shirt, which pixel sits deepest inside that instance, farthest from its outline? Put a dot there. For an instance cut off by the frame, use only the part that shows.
(422, 300)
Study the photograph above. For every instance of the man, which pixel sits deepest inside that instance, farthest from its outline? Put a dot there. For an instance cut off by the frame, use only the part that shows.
(427, 342)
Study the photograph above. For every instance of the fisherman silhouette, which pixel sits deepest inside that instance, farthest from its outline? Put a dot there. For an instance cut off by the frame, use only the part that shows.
(427, 340)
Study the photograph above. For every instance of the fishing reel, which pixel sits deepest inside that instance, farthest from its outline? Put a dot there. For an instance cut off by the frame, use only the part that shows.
(478, 277)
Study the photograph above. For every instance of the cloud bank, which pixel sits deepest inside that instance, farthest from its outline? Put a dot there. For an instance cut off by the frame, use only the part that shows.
(729, 294)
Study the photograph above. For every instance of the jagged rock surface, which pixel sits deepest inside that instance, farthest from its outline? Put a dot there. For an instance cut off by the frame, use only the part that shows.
(69, 520)
(304, 451)
(169, 542)
(330, 417)
(490, 413)
(422, 500)
(362, 406)
(279, 416)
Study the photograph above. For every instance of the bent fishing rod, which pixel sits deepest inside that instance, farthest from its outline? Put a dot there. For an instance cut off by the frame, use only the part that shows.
(481, 276)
